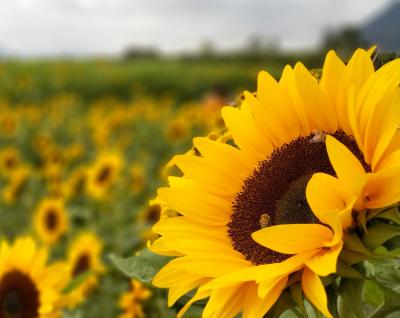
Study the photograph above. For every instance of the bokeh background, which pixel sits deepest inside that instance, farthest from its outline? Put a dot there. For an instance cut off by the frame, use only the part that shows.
(96, 96)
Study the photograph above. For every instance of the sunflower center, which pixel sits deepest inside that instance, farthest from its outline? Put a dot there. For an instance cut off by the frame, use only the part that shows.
(19, 297)
(153, 214)
(104, 174)
(82, 265)
(275, 193)
(51, 219)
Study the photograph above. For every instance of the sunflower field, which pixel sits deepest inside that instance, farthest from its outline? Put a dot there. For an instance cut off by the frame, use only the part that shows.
(83, 147)
(166, 188)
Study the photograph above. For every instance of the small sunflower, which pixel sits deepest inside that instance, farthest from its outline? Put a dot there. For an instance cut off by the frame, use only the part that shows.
(75, 184)
(10, 160)
(138, 177)
(151, 214)
(306, 156)
(131, 301)
(51, 220)
(103, 174)
(84, 258)
(17, 179)
(28, 287)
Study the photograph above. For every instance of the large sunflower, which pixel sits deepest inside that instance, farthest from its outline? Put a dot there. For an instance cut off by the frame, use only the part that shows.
(28, 287)
(51, 220)
(84, 259)
(246, 208)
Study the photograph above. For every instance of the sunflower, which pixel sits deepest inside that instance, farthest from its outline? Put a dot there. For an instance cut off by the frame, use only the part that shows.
(306, 156)
(131, 301)
(28, 287)
(51, 220)
(84, 259)
(17, 179)
(137, 177)
(103, 174)
(10, 160)
(75, 184)
(150, 215)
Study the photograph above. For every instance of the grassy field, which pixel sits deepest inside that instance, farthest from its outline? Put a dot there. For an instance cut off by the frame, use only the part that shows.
(182, 79)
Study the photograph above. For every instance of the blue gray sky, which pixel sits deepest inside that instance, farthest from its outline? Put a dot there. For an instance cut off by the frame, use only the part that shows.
(86, 27)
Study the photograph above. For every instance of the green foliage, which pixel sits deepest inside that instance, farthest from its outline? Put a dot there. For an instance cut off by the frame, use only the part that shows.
(143, 266)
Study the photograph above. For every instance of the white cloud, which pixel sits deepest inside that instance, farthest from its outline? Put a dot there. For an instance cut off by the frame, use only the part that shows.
(34, 27)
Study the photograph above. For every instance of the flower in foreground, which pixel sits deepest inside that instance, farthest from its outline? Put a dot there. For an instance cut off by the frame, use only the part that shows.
(28, 286)
(271, 208)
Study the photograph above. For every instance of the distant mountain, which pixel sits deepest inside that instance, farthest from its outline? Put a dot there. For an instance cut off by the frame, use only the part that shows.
(384, 29)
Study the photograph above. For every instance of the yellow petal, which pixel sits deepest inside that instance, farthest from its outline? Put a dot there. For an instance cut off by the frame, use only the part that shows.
(320, 113)
(211, 175)
(281, 119)
(357, 72)
(211, 265)
(200, 294)
(291, 93)
(346, 165)
(314, 291)
(267, 286)
(324, 263)
(371, 107)
(256, 307)
(246, 133)
(262, 273)
(225, 302)
(186, 285)
(390, 161)
(332, 74)
(293, 238)
(325, 196)
(382, 126)
(383, 188)
(231, 157)
(196, 205)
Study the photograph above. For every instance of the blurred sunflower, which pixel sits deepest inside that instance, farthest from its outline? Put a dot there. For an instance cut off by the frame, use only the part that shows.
(131, 301)
(103, 174)
(17, 179)
(84, 258)
(247, 220)
(76, 182)
(138, 177)
(177, 129)
(51, 220)
(28, 287)
(9, 160)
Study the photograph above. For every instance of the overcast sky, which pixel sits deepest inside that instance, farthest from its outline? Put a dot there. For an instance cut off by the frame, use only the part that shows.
(52, 27)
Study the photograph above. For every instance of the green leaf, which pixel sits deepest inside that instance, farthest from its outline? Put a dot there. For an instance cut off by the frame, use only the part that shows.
(332, 293)
(76, 282)
(372, 294)
(353, 243)
(386, 275)
(143, 266)
(379, 233)
(350, 304)
(351, 258)
(345, 270)
(283, 303)
(297, 294)
(391, 304)
(391, 215)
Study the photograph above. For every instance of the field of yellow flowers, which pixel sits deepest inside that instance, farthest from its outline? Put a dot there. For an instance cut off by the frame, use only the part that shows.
(83, 147)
